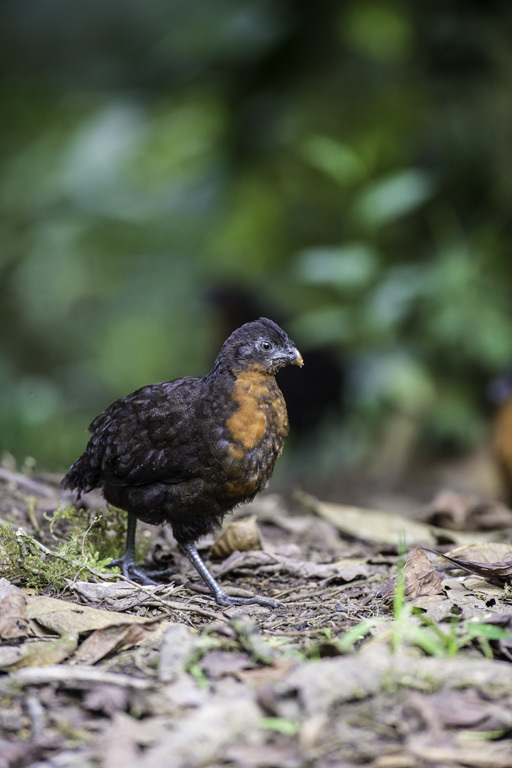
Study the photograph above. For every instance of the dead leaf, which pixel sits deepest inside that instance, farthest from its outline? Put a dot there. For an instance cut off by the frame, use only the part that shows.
(351, 568)
(479, 586)
(14, 622)
(467, 709)
(109, 640)
(263, 755)
(464, 601)
(261, 676)
(448, 510)
(119, 596)
(218, 664)
(241, 535)
(498, 572)
(108, 699)
(481, 754)
(421, 578)
(384, 527)
(118, 746)
(271, 562)
(23, 752)
(197, 739)
(483, 551)
(176, 650)
(38, 653)
(61, 616)
(425, 602)
(467, 512)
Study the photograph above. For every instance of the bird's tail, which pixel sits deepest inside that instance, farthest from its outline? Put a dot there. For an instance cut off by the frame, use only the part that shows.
(81, 476)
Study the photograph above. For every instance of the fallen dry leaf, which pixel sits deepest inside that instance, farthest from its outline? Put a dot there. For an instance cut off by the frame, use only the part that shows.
(23, 752)
(271, 562)
(421, 577)
(458, 511)
(498, 572)
(108, 640)
(197, 739)
(38, 653)
(108, 699)
(118, 746)
(177, 647)
(467, 709)
(261, 755)
(61, 616)
(384, 527)
(261, 676)
(14, 622)
(120, 595)
(483, 551)
(241, 535)
(218, 664)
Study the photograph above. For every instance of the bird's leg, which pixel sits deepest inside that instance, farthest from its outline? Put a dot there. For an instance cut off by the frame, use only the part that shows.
(190, 550)
(127, 562)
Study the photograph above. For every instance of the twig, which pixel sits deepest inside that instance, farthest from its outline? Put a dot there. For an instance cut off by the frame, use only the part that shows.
(37, 716)
(167, 604)
(62, 673)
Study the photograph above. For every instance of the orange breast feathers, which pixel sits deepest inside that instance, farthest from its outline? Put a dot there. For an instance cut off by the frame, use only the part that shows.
(260, 412)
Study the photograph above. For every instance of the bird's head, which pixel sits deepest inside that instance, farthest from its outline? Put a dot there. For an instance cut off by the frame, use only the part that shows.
(261, 345)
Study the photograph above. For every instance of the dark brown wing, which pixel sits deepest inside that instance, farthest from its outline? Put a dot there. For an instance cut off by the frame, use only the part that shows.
(143, 438)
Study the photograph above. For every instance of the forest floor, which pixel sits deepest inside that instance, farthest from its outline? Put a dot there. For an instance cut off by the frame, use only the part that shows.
(367, 662)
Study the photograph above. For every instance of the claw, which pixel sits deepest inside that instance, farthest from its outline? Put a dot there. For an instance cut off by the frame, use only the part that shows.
(130, 571)
(190, 550)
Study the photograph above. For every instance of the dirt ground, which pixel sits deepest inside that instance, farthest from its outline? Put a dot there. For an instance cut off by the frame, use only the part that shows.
(352, 670)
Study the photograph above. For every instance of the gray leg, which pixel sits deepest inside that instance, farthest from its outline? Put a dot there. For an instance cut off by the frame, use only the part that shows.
(218, 593)
(127, 562)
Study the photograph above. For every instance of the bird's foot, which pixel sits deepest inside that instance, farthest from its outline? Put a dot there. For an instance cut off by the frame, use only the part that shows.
(130, 571)
(227, 600)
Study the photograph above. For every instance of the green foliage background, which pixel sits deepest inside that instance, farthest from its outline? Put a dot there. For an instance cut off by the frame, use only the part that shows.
(347, 161)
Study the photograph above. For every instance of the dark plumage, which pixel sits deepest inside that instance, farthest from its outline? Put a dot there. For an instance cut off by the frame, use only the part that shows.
(187, 451)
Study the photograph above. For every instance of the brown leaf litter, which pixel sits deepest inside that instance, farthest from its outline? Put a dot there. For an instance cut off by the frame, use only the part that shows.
(111, 673)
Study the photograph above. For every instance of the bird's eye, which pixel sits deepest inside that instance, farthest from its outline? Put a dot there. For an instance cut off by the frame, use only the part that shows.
(266, 346)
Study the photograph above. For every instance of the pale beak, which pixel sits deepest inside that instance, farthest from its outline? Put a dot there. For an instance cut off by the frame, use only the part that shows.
(297, 358)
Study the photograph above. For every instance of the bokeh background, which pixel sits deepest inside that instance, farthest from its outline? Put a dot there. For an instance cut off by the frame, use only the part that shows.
(344, 166)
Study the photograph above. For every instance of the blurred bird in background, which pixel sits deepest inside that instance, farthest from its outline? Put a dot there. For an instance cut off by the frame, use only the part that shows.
(500, 394)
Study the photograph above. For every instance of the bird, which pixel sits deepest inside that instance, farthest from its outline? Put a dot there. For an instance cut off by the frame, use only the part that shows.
(189, 450)
(499, 392)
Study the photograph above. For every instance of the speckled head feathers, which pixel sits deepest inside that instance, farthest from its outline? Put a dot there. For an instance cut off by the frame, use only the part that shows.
(261, 344)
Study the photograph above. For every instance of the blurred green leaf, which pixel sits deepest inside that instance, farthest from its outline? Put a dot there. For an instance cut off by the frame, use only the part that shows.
(349, 267)
(326, 325)
(386, 200)
(338, 161)
(335, 163)
(377, 29)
